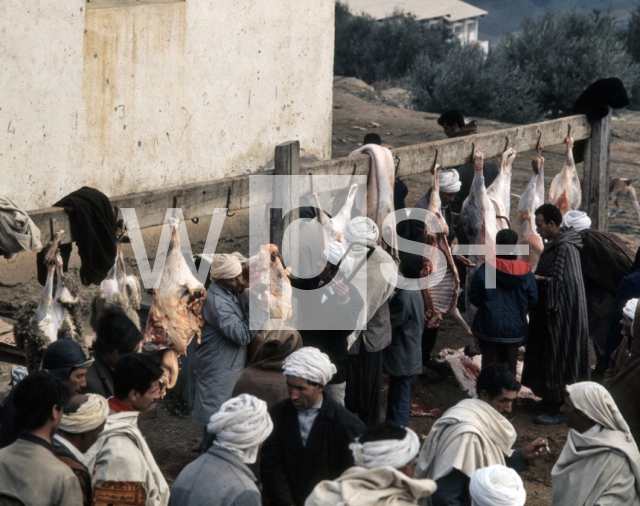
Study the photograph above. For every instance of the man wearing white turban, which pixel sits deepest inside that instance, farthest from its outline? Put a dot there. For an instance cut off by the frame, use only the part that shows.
(497, 486)
(622, 378)
(82, 422)
(222, 353)
(383, 473)
(311, 432)
(373, 333)
(600, 462)
(221, 477)
(600, 285)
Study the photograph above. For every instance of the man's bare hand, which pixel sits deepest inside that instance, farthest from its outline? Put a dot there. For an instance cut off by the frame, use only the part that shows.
(341, 290)
(465, 261)
(539, 278)
(535, 449)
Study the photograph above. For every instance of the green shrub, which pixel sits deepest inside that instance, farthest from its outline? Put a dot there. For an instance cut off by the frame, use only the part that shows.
(383, 50)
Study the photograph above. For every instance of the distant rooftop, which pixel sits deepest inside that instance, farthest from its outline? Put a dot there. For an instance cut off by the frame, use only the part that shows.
(448, 10)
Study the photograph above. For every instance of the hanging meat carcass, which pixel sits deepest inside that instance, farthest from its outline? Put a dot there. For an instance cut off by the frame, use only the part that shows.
(565, 192)
(117, 289)
(54, 317)
(380, 188)
(268, 285)
(175, 314)
(336, 226)
(441, 298)
(532, 198)
(500, 190)
(479, 223)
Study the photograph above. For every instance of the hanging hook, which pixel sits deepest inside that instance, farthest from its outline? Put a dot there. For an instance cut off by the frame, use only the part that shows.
(435, 163)
(230, 215)
(195, 220)
(397, 165)
(506, 146)
(538, 147)
(311, 182)
(569, 130)
(52, 228)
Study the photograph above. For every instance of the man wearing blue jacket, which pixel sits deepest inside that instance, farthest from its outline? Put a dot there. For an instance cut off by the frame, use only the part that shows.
(501, 321)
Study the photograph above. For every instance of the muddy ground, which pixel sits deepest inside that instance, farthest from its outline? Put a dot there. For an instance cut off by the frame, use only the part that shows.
(174, 439)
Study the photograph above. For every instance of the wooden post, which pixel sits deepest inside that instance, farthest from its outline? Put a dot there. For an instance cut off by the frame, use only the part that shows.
(287, 163)
(595, 186)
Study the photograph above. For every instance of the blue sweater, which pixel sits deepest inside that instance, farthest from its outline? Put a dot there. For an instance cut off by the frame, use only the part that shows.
(502, 311)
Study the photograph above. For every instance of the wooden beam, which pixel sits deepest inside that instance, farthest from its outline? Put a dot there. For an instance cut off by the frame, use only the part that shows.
(285, 191)
(595, 187)
(200, 199)
(12, 354)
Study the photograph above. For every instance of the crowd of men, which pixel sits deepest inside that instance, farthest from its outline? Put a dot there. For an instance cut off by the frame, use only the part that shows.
(299, 422)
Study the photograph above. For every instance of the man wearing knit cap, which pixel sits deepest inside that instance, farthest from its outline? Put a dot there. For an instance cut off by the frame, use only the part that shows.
(239, 427)
(622, 378)
(384, 458)
(222, 352)
(65, 360)
(497, 486)
(328, 311)
(82, 422)
(600, 285)
(311, 432)
(600, 462)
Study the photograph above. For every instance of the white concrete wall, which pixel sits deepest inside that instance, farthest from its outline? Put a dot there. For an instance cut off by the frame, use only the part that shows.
(138, 97)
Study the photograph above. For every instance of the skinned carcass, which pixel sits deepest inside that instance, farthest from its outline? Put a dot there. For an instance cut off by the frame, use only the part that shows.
(380, 188)
(479, 223)
(54, 317)
(117, 289)
(441, 298)
(268, 286)
(499, 191)
(532, 198)
(336, 226)
(565, 192)
(466, 370)
(175, 314)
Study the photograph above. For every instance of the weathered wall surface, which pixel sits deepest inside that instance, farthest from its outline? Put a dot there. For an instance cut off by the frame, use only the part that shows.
(135, 97)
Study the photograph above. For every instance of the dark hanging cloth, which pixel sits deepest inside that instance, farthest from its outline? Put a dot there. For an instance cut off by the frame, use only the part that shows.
(600, 285)
(599, 96)
(93, 227)
(558, 335)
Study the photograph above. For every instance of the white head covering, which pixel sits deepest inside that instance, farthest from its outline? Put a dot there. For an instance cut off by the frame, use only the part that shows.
(449, 181)
(497, 486)
(629, 310)
(89, 415)
(333, 252)
(311, 364)
(240, 426)
(225, 266)
(361, 227)
(596, 402)
(394, 453)
(577, 219)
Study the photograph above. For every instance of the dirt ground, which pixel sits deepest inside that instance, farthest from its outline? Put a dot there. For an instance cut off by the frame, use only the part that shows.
(173, 438)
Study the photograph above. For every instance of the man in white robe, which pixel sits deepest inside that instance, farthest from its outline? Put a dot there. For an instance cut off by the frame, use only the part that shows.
(474, 434)
(385, 462)
(599, 465)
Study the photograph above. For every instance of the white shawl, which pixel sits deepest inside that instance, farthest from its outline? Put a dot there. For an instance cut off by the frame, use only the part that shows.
(382, 486)
(469, 436)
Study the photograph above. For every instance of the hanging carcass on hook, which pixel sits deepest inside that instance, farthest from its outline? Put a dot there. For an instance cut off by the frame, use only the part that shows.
(175, 314)
(440, 297)
(118, 289)
(54, 317)
(565, 192)
(532, 198)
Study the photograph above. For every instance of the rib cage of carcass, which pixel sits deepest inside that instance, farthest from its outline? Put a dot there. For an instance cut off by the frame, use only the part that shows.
(175, 314)
(439, 298)
(117, 289)
(565, 192)
(54, 317)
